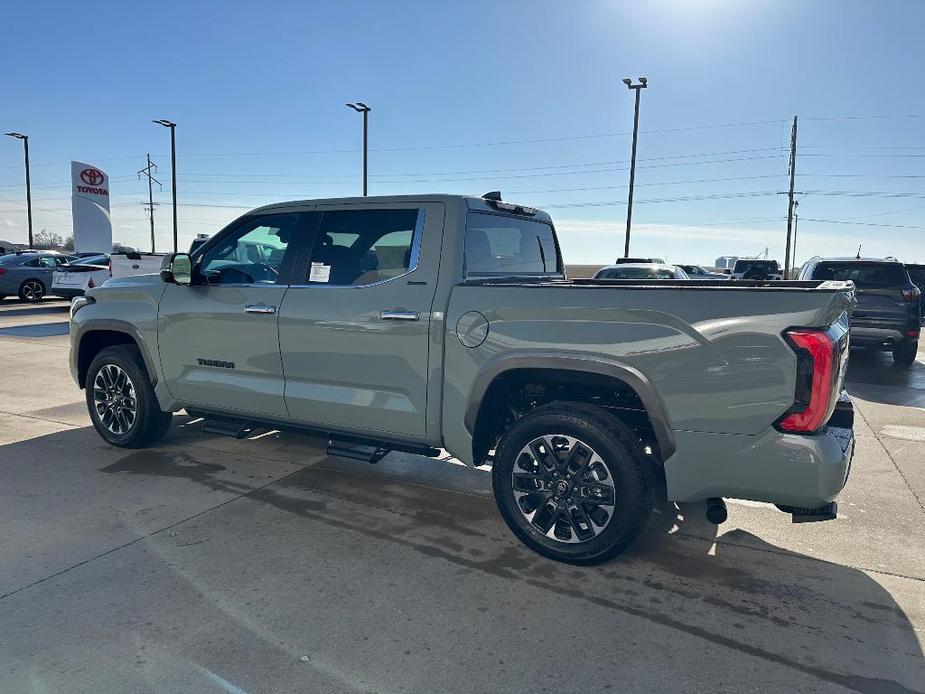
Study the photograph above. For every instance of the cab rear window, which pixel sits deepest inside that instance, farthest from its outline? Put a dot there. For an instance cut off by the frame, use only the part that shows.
(864, 275)
(499, 245)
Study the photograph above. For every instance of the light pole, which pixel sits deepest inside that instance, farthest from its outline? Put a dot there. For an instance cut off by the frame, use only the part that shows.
(629, 202)
(25, 144)
(360, 107)
(173, 172)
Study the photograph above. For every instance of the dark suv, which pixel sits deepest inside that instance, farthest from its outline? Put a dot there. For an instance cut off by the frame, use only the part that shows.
(887, 316)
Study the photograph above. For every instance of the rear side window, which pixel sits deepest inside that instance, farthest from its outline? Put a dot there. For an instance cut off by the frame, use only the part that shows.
(363, 247)
(864, 275)
(498, 245)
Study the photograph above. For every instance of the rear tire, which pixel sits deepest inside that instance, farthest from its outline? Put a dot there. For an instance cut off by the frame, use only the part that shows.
(121, 400)
(571, 483)
(904, 354)
(32, 291)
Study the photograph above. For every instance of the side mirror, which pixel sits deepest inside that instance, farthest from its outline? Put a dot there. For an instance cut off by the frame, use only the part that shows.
(177, 268)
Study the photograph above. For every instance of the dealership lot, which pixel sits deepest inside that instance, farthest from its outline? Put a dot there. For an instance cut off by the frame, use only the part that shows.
(209, 564)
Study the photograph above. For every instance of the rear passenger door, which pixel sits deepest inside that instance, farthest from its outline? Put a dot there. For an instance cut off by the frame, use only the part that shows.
(354, 325)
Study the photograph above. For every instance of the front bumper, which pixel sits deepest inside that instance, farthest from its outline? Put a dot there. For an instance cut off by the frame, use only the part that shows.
(787, 469)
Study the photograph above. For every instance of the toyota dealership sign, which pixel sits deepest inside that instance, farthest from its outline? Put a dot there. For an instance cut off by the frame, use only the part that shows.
(90, 209)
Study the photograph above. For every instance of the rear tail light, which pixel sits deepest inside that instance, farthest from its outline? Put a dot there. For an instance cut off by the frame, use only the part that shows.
(914, 332)
(911, 294)
(110, 268)
(818, 357)
(2, 271)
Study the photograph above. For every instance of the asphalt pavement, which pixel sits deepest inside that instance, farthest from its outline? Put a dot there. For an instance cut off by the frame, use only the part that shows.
(207, 564)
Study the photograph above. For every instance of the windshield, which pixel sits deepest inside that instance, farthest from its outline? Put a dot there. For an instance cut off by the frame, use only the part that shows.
(498, 245)
(635, 273)
(864, 275)
(763, 265)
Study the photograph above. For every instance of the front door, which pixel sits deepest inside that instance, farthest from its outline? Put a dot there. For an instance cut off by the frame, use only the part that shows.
(218, 338)
(354, 325)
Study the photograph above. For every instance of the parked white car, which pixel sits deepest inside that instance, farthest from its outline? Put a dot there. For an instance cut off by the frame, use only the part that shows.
(129, 264)
(74, 278)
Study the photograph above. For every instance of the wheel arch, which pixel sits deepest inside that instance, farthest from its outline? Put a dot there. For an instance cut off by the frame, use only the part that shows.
(97, 336)
(506, 373)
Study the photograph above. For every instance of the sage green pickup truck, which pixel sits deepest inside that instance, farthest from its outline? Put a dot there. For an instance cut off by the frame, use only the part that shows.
(426, 322)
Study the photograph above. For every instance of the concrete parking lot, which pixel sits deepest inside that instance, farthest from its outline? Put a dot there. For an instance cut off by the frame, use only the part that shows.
(208, 564)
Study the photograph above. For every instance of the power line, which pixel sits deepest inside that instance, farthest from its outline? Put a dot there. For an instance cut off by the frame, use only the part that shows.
(863, 224)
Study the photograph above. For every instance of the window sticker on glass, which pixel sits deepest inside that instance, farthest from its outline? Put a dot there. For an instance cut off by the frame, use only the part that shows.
(319, 272)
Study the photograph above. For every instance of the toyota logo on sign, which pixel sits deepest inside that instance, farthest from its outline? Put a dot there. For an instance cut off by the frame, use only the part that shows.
(92, 177)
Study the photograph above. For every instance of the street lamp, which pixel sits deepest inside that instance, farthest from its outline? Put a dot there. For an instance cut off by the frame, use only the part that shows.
(629, 202)
(360, 107)
(25, 144)
(173, 172)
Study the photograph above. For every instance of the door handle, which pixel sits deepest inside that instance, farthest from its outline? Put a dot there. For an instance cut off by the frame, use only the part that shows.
(399, 315)
(259, 308)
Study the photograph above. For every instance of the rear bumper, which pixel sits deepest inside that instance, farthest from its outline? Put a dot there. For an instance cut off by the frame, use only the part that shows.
(67, 292)
(881, 337)
(786, 469)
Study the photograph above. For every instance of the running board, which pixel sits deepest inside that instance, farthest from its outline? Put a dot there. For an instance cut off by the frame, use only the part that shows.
(366, 454)
(227, 426)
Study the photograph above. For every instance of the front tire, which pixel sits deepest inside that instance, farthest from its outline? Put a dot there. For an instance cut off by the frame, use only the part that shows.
(904, 354)
(32, 291)
(571, 483)
(121, 400)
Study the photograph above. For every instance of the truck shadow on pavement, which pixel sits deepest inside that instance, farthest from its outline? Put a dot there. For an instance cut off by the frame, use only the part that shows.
(873, 376)
(734, 591)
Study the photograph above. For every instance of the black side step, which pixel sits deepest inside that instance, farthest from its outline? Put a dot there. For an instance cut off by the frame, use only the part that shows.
(812, 515)
(366, 454)
(227, 426)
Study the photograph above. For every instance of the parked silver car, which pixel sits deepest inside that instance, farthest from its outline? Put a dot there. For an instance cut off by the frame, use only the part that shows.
(641, 271)
(29, 275)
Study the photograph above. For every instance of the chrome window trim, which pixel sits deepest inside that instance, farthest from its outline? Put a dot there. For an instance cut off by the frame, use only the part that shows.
(416, 236)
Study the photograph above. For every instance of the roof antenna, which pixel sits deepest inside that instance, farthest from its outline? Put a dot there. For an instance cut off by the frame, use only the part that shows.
(493, 195)
(858, 256)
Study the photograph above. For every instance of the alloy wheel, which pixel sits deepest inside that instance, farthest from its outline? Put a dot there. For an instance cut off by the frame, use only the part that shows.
(33, 291)
(563, 488)
(114, 399)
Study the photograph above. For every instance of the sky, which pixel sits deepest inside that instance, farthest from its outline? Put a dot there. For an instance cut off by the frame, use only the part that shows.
(467, 97)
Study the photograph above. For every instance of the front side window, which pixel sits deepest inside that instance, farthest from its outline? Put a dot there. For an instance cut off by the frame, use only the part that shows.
(362, 247)
(498, 245)
(253, 253)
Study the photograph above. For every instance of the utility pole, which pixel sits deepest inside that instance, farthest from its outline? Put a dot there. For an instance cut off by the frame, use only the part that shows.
(25, 144)
(793, 172)
(147, 172)
(629, 202)
(360, 107)
(796, 221)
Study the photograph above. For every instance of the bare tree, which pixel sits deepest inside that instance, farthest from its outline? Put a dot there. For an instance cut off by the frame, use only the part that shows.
(47, 240)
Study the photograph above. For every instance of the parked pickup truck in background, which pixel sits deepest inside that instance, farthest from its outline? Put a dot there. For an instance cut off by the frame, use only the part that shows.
(426, 322)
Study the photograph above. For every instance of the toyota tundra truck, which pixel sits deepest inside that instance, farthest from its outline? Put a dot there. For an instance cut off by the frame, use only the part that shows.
(424, 323)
